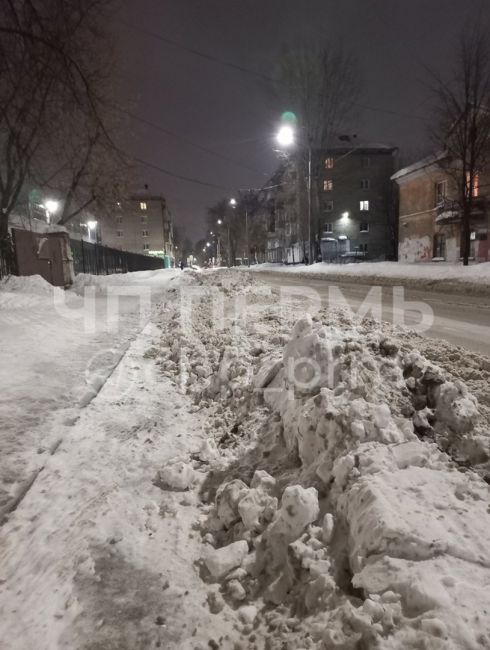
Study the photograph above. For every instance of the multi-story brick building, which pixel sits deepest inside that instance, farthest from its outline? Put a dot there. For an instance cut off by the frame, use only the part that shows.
(355, 214)
(430, 223)
(141, 224)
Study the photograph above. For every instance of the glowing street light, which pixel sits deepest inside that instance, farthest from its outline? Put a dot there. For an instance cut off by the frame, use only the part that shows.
(51, 206)
(345, 215)
(208, 244)
(91, 225)
(285, 136)
(233, 203)
(219, 222)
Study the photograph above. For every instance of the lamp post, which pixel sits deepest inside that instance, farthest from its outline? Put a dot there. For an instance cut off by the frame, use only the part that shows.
(286, 137)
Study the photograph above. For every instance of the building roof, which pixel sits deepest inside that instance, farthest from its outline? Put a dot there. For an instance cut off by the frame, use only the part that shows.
(366, 147)
(428, 161)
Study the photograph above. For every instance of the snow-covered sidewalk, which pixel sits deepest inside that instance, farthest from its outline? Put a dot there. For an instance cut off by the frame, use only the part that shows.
(440, 276)
(97, 555)
(57, 350)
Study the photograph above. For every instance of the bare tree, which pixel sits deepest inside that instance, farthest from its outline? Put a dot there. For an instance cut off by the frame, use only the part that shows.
(320, 84)
(49, 67)
(462, 130)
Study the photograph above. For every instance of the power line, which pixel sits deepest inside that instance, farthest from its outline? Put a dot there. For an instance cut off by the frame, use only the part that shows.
(181, 177)
(187, 141)
(249, 71)
(202, 55)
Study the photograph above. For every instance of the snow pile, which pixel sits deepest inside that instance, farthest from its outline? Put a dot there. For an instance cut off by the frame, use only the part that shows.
(441, 275)
(340, 478)
(28, 284)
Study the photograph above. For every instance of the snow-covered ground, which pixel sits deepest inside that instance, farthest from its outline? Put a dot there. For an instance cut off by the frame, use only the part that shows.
(56, 350)
(474, 278)
(253, 478)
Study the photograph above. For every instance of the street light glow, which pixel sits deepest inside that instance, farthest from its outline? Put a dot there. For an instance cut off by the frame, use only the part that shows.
(345, 215)
(219, 222)
(51, 205)
(233, 203)
(208, 244)
(285, 136)
(91, 225)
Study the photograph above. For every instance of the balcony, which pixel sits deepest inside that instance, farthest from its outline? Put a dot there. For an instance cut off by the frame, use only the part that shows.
(449, 210)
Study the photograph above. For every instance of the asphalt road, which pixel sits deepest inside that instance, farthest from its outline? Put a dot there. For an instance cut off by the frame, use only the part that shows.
(459, 319)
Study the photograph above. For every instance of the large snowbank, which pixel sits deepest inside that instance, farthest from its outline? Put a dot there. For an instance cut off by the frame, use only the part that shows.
(443, 276)
(343, 465)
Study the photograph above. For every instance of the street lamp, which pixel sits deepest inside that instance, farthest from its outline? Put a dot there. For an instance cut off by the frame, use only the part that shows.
(51, 206)
(92, 228)
(286, 138)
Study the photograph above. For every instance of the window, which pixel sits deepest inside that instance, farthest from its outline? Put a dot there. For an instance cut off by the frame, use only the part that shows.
(328, 206)
(144, 219)
(363, 248)
(144, 233)
(119, 219)
(328, 163)
(365, 184)
(365, 161)
(364, 226)
(327, 227)
(475, 189)
(441, 192)
(440, 246)
(364, 206)
(328, 185)
(119, 233)
(143, 205)
(146, 247)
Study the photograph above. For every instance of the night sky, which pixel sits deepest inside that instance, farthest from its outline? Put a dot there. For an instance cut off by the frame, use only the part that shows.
(223, 109)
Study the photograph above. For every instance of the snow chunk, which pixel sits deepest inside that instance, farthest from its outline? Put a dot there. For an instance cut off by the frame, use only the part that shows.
(177, 475)
(221, 561)
(227, 498)
(299, 507)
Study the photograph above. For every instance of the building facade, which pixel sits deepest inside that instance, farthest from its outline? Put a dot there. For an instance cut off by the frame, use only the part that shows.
(430, 221)
(141, 224)
(355, 213)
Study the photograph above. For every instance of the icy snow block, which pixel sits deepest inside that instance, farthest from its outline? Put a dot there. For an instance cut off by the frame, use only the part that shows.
(418, 513)
(299, 507)
(302, 327)
(221, 561)
(177, 475)
(267, 371)
(262, 480)
(257, 509)
(227, 498)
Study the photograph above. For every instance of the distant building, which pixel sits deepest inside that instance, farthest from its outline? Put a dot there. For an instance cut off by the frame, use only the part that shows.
(141, 224)
(430, 223)
(356, 215)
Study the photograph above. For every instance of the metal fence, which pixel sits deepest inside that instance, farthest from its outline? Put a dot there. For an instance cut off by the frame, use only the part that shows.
(102, 260)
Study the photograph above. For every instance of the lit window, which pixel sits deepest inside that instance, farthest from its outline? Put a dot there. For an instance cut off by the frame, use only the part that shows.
(327, 227)
(144, 233)
(365, 184)
(364, 206)
(364, 226)
(146, 247)
(441, 192)
(143, 205)
(328, 163)
(119, 233)
(475, 189)
(328, 185)
(328, 206)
